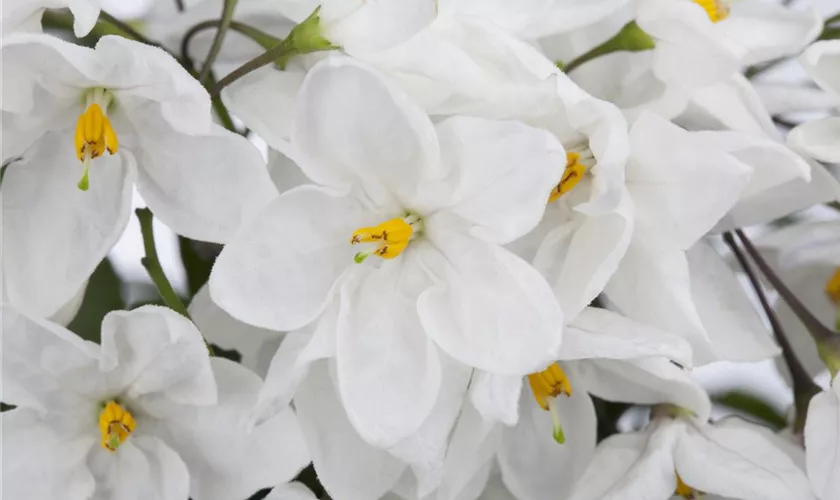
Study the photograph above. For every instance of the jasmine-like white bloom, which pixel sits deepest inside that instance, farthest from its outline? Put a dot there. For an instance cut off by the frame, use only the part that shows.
(26, 14)
(146, 415)
(821, 138)
(682, 184)
(822, 442)
(122, 113)
(425, 217)
(512, 418)
(683, 456)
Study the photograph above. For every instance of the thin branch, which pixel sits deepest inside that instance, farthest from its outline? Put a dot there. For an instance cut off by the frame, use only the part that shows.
(265, 40)
(818, 331)
(224, 23)
(804, 387)
(152, 264)
(179, 4)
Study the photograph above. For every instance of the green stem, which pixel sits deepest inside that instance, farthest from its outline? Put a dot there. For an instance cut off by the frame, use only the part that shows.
(631, 38)
(804, 387)
(224, 23)
(265, 40)
(179, 4)
(220, 108)
(304, 38)
(152, 264)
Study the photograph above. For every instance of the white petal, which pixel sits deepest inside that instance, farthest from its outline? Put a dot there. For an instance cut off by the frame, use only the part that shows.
(534, 466)
(818, 139)
(500, 176)
(347, 466)
(631, 466)
(291, 491)
(578, 261)
(730, 104)
(376, 25)
(822, 442)
(472, 447)
(496, 397)
(739, 463)
(680, 190)
(43, 364)
(345, 114)
(643, 381)
(599, 333)
(820, 61)
(85, 15)
(262, 100)
(382, 351)
(219, 328)
(488, 309)
(652, 285)
(225, 459)
(144, 467)
(43, 210)
(39, 461)
(780, 98)
(279, 270)
(154, 351)
(202, 186)
(767, 31)
(736, 331)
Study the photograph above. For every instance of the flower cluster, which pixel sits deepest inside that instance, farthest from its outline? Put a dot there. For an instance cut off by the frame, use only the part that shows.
(491, 245)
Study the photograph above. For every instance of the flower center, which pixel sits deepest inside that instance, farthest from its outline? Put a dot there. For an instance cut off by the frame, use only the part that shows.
(94, 133)
(115, 424)
(717, 10)
(832, 288)
(391, 237)
(685, 491)
(547, 385)
(578, 162)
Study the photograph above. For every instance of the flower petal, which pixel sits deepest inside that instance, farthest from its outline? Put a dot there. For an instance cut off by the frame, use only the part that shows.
(389, 373)
(822, 441)
(496, 397)
(279, 271)
(488, 308)
(291, 491)
(534, 466)
(144, 467)
(471, 450)
(346, 465)
(85, 15)
(819, 139)
(737, 462)
(44, 210)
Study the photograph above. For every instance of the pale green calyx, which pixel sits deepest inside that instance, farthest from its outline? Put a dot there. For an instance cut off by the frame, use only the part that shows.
(631, 38)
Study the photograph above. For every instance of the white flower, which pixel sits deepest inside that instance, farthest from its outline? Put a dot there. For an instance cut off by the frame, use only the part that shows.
(682, 456)
(426, 207)
(822, 442)
(821, 138)
(603, 354)
(682, 184)
(127, 112)
(146, 415)
(23, 14)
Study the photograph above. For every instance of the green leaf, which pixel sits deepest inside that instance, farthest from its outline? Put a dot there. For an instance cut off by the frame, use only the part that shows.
(103, 295)
(753, 406)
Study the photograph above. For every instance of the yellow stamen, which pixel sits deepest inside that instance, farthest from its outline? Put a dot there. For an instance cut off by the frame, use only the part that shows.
(392, 237)
(571, 176)
(94, 135)
(546, 386)
(115, 424)
(717, 10)
(685, 491)
(832, 288)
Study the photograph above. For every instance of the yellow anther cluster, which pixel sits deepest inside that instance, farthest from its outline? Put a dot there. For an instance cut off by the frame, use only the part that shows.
(571, 176)
(115, 424)
(685, 491)
(392, 238)
(549, 383)
(717, 10)
(94, 135)
(832, 288)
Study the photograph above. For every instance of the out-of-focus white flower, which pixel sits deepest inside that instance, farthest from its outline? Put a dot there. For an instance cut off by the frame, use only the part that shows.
(822, 442)
(146, 415)
(821, 138)
(25, 15)
(427, 215)
(113, 115)
(686, 457)
(512, 419)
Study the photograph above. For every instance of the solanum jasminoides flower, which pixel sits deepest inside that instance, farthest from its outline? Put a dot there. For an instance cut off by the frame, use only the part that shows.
(822, 442)
(26, 14)
(146, 415)
(821, 138)
(407, 238)
(81, 126)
